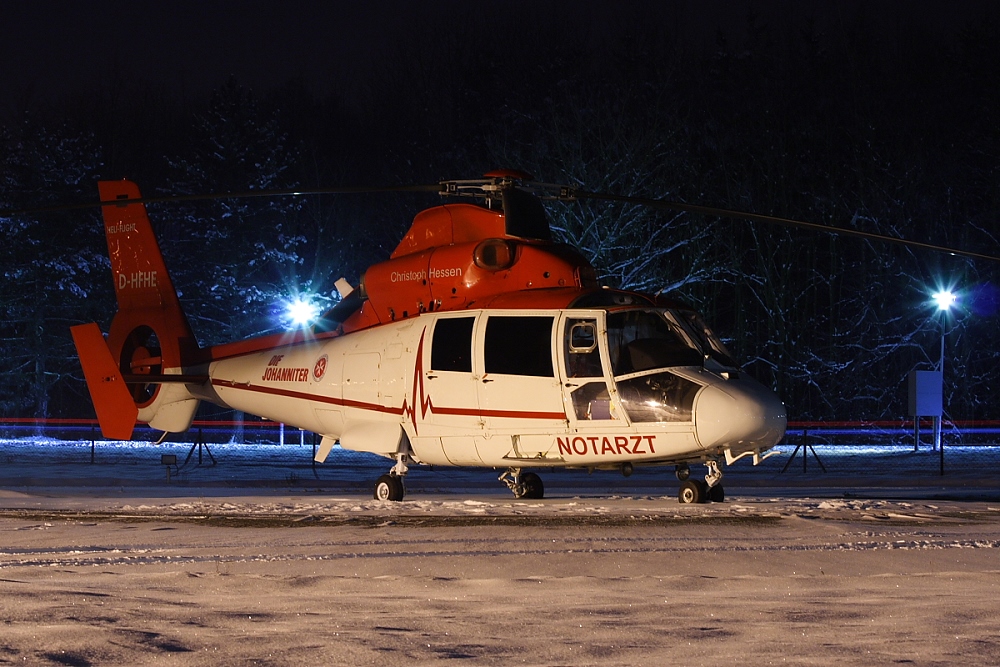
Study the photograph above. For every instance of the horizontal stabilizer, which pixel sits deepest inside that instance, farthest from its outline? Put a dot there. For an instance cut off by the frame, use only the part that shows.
(116, 411)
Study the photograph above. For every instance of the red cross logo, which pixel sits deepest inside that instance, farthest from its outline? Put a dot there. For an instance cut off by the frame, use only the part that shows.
(320, 368)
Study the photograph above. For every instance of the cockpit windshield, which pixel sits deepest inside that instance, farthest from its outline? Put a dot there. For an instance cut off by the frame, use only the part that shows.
(643, 345)
(707, 339)
(641, 340)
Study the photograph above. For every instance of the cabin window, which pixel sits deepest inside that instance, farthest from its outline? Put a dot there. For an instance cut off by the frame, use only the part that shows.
(592, 401)
(451, 349)
(519, 346)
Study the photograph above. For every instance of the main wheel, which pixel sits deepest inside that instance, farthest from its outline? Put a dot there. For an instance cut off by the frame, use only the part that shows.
(531, 486)
(692, 491)
(716, 494)
(682, 471)
(389, 487)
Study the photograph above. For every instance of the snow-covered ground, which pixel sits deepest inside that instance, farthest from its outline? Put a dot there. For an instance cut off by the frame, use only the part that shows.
(259, 560)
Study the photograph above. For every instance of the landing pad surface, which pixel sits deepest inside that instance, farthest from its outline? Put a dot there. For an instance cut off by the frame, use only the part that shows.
(323, 579)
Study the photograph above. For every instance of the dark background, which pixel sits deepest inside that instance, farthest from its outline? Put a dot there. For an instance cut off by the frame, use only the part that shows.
(881, 116)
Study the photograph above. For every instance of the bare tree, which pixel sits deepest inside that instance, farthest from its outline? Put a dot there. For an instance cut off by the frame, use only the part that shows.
(51, 262)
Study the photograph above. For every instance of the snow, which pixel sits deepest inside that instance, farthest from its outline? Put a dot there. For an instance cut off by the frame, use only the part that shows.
(233, 564)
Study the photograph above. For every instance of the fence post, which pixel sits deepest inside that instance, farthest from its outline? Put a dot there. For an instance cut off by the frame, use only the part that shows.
(805, 451)
(941, 454)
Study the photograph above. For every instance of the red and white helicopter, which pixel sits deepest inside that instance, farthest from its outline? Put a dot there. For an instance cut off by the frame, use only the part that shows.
(479, 342)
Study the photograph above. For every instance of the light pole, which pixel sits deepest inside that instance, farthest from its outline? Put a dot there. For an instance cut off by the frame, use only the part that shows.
(944, 299)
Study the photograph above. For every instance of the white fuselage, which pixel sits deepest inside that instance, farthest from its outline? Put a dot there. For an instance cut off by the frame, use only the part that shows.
(501, 388)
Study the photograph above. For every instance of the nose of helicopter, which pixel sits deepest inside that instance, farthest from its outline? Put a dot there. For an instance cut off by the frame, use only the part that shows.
(739, 413)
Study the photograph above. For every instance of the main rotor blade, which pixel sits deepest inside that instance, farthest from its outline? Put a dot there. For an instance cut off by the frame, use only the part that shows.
(248, 194)
(565, 193)
(770, 219)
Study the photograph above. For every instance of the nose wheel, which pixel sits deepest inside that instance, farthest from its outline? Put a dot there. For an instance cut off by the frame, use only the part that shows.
(698, 491)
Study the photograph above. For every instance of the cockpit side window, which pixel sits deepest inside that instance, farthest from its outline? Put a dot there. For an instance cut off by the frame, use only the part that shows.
(641, 340)
(519, 345)
(451, 349)
(580, 349)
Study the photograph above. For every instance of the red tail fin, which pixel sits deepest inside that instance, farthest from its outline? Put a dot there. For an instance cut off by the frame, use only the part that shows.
(145, 293)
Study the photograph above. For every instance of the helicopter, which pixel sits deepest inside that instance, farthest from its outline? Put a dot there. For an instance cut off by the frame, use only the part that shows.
(480, 342)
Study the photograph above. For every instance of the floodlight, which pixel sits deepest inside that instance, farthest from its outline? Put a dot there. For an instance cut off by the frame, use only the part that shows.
(945, 299)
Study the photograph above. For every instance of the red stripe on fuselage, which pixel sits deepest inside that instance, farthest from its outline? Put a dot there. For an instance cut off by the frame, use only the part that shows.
(329, 400)
(374, 407)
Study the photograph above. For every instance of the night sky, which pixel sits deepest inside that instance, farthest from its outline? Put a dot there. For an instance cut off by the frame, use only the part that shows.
(50, 48)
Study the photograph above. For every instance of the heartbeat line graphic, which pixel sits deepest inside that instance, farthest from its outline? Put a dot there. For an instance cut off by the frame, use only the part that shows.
(419, 398)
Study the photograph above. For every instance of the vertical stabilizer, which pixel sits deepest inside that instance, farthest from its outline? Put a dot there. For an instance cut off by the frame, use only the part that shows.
(142, 285)
(150, 336)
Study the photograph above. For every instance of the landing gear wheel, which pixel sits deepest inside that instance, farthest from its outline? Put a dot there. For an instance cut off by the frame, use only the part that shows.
(531, 486)
(717, 494)
(692, 491)
(389, 487)
(682, 471)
